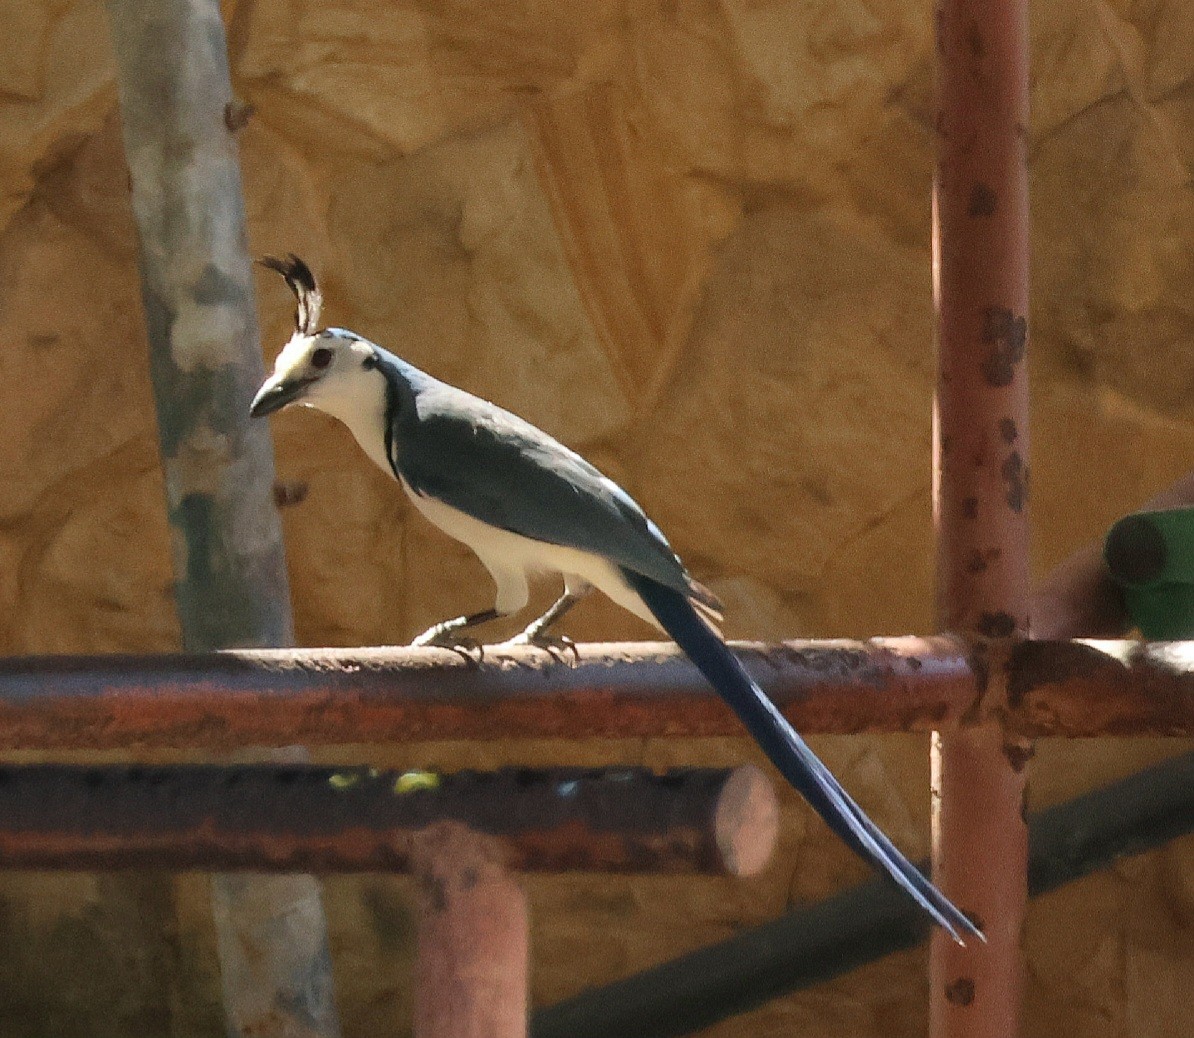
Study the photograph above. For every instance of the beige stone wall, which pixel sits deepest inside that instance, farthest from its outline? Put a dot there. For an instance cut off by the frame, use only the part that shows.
(691, 239)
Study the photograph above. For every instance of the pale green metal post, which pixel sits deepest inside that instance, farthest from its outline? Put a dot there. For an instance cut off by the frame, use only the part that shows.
(205, 359)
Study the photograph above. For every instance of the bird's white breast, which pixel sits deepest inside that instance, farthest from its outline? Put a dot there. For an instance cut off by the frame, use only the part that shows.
(505, 554)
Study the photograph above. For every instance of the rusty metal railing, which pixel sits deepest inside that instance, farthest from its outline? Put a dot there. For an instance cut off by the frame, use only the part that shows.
(327, 697)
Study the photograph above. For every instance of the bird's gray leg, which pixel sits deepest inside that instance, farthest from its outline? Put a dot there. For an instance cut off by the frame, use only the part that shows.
(512, 594)
(536, 632)
(536, 629)
(444, 634)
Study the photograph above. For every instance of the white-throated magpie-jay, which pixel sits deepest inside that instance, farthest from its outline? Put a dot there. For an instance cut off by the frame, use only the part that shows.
(525, 504)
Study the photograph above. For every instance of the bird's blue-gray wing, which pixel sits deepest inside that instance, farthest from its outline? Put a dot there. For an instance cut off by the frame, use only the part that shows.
(492, 465)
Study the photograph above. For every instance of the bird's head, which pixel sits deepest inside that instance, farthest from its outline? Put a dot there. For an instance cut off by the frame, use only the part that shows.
(329, 368)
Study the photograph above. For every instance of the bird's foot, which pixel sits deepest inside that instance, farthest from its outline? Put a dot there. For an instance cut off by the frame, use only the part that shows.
(557, 645)
(444, 636)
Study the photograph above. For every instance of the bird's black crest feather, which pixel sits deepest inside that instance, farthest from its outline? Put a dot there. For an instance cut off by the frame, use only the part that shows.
(302, 283)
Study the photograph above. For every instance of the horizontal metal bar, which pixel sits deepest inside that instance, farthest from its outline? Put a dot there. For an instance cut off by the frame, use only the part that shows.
(320, 697)
(863, 924)
(287, 818)
(1093, 688)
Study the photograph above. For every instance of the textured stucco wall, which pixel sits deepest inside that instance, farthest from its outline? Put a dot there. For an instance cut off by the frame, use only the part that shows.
(690, 239)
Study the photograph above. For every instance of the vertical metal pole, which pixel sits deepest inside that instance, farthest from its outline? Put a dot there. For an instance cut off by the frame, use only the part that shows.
(205, 356)
(205, 361)
(471, 973)
(980, 274)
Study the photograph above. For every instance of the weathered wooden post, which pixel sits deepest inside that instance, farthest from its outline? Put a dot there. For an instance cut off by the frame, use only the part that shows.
(205, 360)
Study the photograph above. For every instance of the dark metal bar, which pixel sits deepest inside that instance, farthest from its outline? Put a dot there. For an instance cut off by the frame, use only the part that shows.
(231, 699)
(858, 926)
(279, 818)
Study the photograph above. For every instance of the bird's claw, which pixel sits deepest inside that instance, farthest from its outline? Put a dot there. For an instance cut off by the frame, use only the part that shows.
(440, 638)
(556, 645)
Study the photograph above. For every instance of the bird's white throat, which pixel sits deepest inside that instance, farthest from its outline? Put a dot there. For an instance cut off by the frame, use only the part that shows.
(359, 401)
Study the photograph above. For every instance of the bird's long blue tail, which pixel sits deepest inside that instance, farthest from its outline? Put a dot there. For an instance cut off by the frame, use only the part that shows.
(790, 753)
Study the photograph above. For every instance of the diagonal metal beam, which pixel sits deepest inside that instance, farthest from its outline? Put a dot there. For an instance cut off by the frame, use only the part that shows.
(858, 926)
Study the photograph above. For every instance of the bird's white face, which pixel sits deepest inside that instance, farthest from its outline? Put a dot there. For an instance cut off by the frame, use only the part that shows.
(333, 370)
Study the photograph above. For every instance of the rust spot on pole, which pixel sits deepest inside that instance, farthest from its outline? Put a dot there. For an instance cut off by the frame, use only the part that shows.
(996, 624)
(974, 40)
(977, 561)
(961, 991)
(982, 201)
(1007, 336)
(1015, 475)
(1018, 754)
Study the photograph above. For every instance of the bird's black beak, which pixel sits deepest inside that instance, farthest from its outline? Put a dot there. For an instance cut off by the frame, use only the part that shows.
(276, 393)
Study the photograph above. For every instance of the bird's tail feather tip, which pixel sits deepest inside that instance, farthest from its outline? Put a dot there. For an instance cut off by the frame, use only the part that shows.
(681, 617)
(963, 940)
(976, 931)
(960, 927)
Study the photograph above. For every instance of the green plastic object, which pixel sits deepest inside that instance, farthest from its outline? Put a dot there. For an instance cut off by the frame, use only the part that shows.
(1151, 557)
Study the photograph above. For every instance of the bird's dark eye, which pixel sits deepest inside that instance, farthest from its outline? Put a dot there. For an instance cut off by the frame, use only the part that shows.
(370, 362)
(321, 358)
